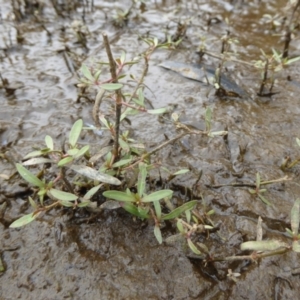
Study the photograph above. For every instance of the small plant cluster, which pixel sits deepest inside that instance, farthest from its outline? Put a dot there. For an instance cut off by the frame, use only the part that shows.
(76, 170)
(72, 177)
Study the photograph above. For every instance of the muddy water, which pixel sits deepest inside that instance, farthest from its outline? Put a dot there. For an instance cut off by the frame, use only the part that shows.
(114, 257)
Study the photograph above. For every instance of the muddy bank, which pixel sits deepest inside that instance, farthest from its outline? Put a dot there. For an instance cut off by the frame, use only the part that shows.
(111, 256)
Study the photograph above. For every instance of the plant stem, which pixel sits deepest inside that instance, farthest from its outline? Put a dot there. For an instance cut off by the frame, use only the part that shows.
(119, 97)
(265, 78)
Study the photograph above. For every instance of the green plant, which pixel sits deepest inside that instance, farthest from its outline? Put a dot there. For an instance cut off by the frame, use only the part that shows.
(258, 191)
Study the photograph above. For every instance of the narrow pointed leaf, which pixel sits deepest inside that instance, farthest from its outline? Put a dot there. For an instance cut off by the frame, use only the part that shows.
(95, 175)
(132, 209)
(65, 161)
(32, 203)
(110, 204)
(36, 161)
(92, 192)
(119, 196)
(122, 162)
(263, 245)
(156, 196)
(263, 199)
(75, 132)
(64, 196)
(29, 177)
(157, 234)
(34, 154)
(180, 172)
(86, 72)
(49, 142)
(179, 210)
(111, 86)
(82, 151)
(193, 247)
(298, 141)
(141, 184)
(157, 111)
(296, 246)
(66, 203)
(24, 220)
(157, 208)
(295, 217)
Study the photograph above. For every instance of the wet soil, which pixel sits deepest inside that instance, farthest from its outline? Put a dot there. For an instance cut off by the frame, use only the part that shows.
(62, 255)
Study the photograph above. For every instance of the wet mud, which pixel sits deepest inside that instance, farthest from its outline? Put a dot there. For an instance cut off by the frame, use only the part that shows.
(78, 255)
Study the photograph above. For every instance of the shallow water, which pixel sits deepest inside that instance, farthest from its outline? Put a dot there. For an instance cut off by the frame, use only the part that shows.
(114, 257)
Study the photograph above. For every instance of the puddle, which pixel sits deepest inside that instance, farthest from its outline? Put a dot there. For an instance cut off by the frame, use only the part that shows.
(113, 256)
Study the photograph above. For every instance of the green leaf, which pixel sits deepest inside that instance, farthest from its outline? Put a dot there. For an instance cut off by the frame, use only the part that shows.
(122, 162)
(110, 204)
(64, 196)
(156, 196)
(208, 118)
(120, 196)
(111, 86)
(193, 247)
(295, 218)
(84, 204)
(95, 175)
(32, 203)
(86, 72)
(49, 142)
(24, 220)
(66, 203)
(141, 184)
(292, 60)
(157, 111)
(73, 152)
(298, 141)
(188, 216)
(257, 180)
(125, 146)
(82, 151)
(132, 209)
(36, 161)
(29, 177)
(251, 191)
(263, 245)
(34, 154)
(296, 246)
(179, 210)
(157, 234)
(157, 208)
(180, 226)
(218, 133)
(75, 132)
(263, 199)
(92, 192)
(65, 161)
(180, 172)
